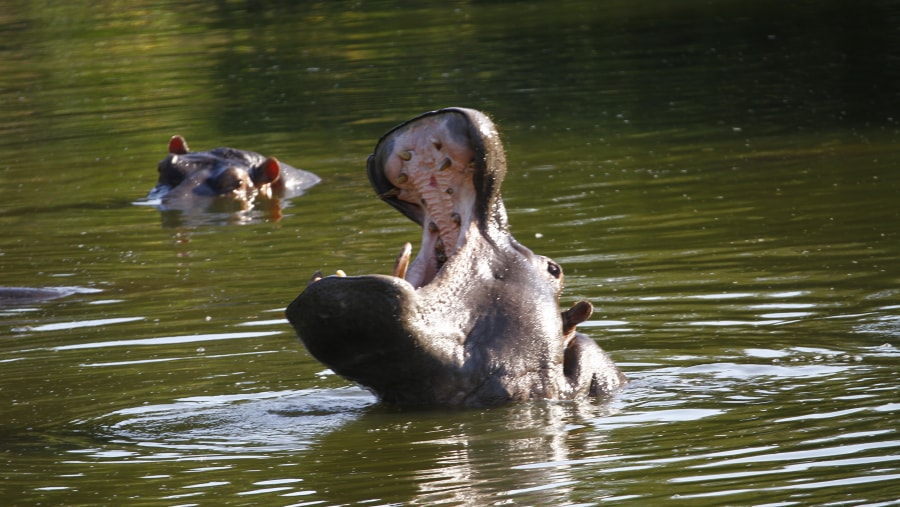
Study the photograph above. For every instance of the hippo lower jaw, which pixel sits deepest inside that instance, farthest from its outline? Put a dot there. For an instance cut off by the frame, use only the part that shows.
(474, 320)
(446, 342)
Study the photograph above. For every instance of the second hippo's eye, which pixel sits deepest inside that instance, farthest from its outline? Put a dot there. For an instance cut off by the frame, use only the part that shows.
(228, 181)
(554, 269)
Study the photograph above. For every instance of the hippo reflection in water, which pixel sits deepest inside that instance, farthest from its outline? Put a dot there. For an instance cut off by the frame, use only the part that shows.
(223, 178)
(474, 320)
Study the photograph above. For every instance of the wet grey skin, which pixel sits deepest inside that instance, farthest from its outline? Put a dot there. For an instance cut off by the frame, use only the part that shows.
(474, 320)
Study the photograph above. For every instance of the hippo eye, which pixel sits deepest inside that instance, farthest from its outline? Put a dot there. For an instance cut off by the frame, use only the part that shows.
(554, 269)
(228, 181)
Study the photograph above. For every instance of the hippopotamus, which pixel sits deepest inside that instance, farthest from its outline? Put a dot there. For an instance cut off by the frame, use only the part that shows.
(189, 180)
(474, 320)
(18, 296)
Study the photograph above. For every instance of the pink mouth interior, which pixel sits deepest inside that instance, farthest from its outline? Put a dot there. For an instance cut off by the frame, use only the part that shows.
(432, 169)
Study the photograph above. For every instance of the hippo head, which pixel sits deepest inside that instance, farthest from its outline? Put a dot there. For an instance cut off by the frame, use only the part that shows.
(474, 320)
(222, 172)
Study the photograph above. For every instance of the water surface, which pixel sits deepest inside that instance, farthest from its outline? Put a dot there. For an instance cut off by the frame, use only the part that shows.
(721, 181)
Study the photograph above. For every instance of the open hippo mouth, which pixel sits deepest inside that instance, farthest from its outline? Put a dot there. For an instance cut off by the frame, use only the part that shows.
(474, 320)
(435, 170)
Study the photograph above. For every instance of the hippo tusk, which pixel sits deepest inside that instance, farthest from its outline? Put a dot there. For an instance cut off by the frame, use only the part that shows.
(318, 276)
(402, 261)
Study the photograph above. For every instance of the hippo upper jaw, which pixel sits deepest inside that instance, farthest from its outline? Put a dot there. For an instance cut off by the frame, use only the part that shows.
(443, 170)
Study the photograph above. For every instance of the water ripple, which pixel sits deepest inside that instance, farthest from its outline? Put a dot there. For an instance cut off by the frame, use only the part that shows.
(167, 340)
(58, 326)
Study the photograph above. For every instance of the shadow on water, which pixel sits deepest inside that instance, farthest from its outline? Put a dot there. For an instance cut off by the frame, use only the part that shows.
(622, 61)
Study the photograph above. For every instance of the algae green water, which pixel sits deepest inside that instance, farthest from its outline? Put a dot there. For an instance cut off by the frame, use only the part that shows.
(721, 180)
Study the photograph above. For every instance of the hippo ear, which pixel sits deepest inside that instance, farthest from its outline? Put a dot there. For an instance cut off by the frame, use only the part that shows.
(178, 146)
(267, 172)
(579, 313)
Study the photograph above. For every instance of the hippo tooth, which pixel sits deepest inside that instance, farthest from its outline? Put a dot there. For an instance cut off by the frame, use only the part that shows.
(403, 178)
(445, 164)
(436, 143)
(402, 262)
(404, 154)
(440, 253)
(340, 273)
(456, 218)
(432, 227)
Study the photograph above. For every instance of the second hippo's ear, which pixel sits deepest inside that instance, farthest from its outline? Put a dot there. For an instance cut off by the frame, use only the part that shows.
(178, 146)
(267, 172)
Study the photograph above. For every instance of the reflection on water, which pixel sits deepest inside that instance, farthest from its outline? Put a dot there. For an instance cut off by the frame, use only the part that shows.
(541, 452)
(228, 427)
(721, 181)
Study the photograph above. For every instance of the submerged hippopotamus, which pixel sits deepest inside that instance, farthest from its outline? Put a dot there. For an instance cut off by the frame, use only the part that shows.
(19, 296)
(474, 320)
(194, 180)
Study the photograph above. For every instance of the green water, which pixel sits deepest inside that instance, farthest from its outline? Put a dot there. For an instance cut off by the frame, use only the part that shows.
(721, 179)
